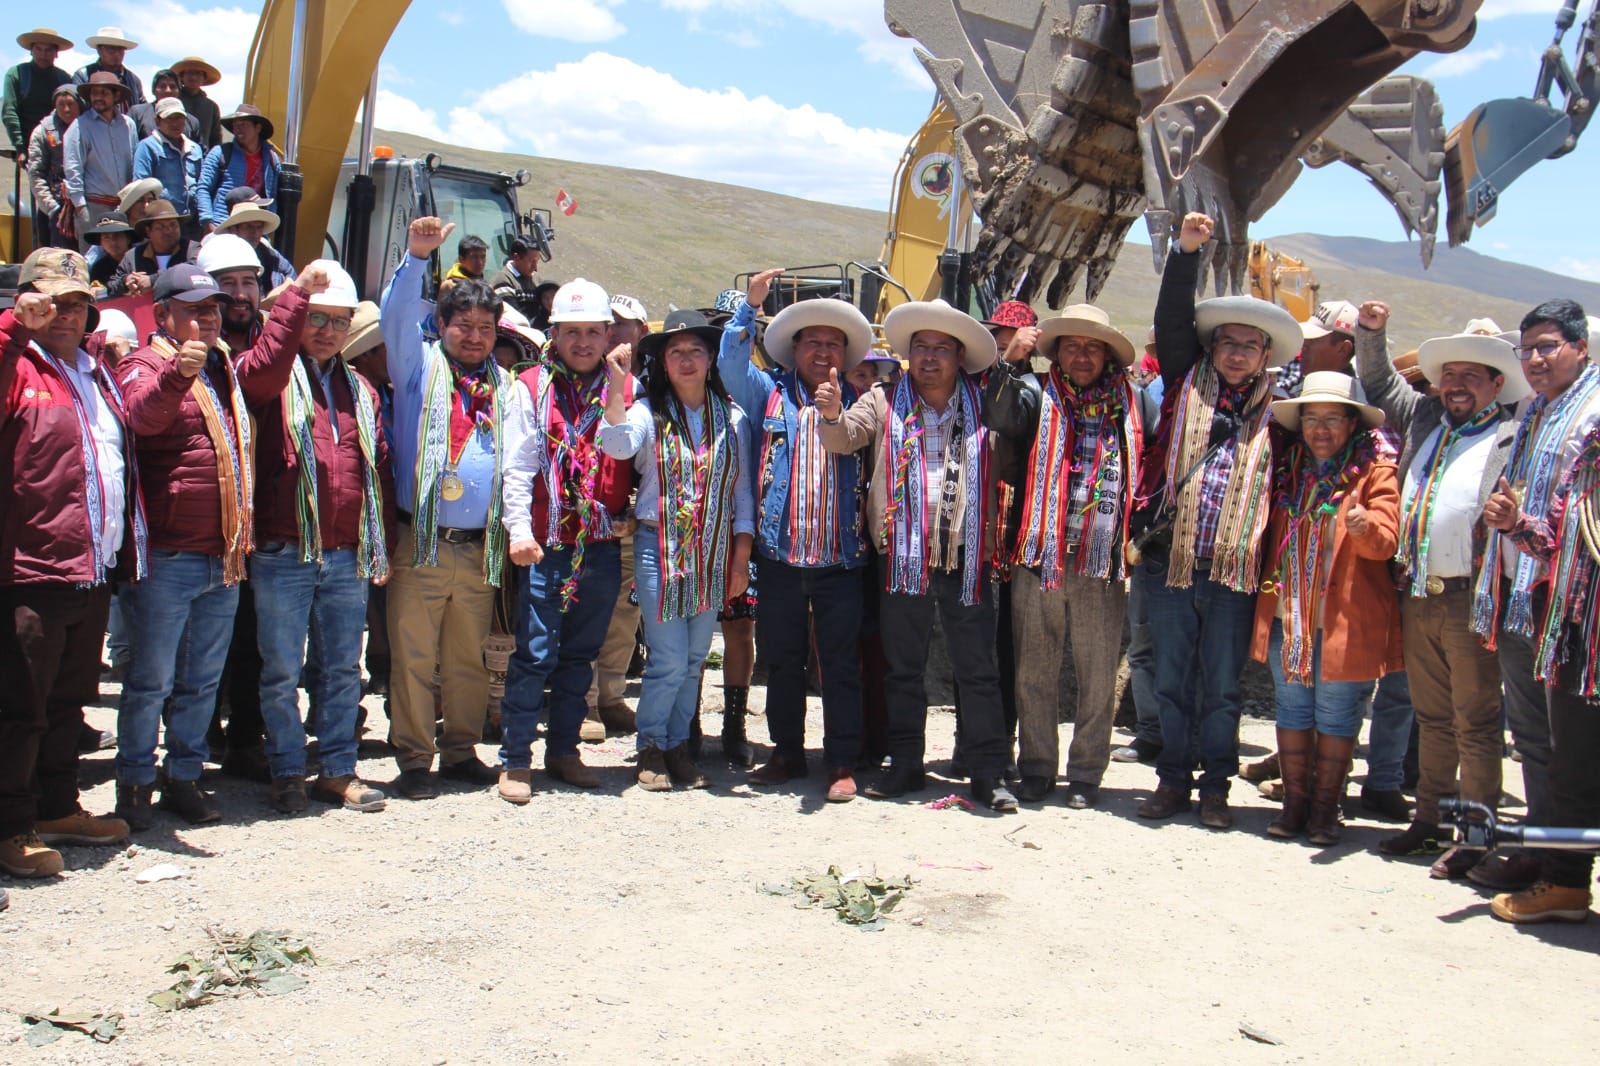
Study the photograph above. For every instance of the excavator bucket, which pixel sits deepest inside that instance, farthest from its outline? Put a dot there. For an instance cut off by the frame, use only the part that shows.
(1490, 149)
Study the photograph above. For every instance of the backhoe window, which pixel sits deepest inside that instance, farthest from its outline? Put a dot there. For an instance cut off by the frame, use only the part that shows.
(478, 209)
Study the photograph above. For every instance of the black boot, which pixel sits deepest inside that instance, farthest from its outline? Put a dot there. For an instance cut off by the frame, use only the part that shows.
(133, 805)
(735, 746)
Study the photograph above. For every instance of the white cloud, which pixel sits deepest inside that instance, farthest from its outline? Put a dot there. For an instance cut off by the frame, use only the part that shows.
(568, 20)
(1460, 64)
(452, 18)
(1583, 269)
(467, 128)
(1499, 9)
(862, 19)
(606, 109)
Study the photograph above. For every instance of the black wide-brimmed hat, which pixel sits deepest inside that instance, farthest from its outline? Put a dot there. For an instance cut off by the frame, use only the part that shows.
(686, 320)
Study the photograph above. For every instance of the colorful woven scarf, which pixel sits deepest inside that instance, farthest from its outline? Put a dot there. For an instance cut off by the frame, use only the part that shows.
(235, 450)
(1236, 555)
(1575, 579)
(1309, 496)
(1064, 412)
(572, 469)
(439, 397)
(1416, 525)
(813, 479)
(911, 520)
(299, 416)
(1532, 470)
(696, 519)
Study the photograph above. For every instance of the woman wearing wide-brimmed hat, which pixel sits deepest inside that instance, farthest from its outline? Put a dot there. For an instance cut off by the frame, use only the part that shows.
(696, 515)
(249, 159)
(1327, 621)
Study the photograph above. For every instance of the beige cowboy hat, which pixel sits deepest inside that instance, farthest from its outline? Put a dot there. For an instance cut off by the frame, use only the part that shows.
(1487, 326)
(248, 212)
(1325, 386)
(135, 191)
(1085, 320)
(364, 334)
(110, 37)
(1493, 352)
(911, 318)
(1269, 318)
(213, 75)
(839, 314)
(43, 35)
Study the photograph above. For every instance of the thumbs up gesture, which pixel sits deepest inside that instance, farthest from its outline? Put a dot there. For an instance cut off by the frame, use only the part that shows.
(829, 399)
(192, 356)
(1502, 509)
(1357, 521)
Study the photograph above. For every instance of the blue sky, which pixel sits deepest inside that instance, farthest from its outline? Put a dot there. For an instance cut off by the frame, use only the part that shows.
(809, 97)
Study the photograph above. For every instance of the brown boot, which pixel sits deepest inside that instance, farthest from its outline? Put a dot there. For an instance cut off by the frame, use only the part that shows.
(681, 768)
(1268, 769)
(1294, 758)
(653, 776)
(1334, 757)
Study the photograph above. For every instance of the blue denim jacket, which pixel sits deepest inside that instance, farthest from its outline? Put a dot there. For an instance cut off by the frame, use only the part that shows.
(751, 388)
(177, 170)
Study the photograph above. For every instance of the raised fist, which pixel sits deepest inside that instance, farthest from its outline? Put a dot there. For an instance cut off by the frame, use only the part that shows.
(1196, 230)
(427, 234)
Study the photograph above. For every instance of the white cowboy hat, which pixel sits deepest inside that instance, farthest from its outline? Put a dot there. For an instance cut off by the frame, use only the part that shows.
(135, 191)
(936, 315)
(1325, 386)
(839, 314)
(248, 212)
(111, 37)
(1486, 326)
(1085, 320)
(1493, 352)
(1269, 318)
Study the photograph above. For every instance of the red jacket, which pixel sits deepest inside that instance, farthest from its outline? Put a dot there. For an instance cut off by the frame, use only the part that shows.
(44, 516)
(341, 478)
(176, 456)
(613, 481)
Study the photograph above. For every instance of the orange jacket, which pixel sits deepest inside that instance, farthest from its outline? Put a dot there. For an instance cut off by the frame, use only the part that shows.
(1361, 610)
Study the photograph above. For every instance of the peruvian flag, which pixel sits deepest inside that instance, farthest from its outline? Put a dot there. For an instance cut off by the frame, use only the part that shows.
(566, 203)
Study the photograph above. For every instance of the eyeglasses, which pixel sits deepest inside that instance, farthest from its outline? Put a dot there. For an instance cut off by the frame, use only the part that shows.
(318, 320)
(1544, 350)
(1330, 422)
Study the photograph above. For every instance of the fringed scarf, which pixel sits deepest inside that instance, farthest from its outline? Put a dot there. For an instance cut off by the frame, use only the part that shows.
(1236, 555)
(1416, 525)
(433, 455)
(1575, 580)
(299, 415)
(914, 524)
(1309, 498)
(1532, 470)
(573, 467)
(236, 457)
(696, 518)
(1047, 498)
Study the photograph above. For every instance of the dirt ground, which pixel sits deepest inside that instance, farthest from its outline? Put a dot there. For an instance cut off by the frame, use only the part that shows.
(623, 926)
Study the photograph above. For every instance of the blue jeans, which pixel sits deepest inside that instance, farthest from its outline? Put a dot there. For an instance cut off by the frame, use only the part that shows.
(182, 626)
(557, 650)
(1389, 736)
(678, 648)
(1202, 639)
(323, 606)
(118, 623)
(1331, 707)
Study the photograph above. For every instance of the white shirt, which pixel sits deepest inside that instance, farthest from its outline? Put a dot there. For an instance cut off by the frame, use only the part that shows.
(1455, 506)
(107, 434)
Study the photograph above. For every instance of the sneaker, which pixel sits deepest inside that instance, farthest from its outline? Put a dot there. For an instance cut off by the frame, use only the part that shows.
(133, 806)
(81, 827)
(570, 768)
(992, 793)
(190, 802)
(350, 792)
(417, 784)
(289, 794)
(1140, 750)
(593, 730)
(516, 786)
(681, 768)
(653, 776)
(1509, 872)
(1419, 838)
(1543, 902)
(25, 855)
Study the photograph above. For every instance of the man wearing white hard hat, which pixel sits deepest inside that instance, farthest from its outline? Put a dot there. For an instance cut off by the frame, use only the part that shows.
(325, 523)
(565, 503)
(113, 47)
(237, 268)
(453, 405)
(930, 515)
(810, 550)
(1455, 449)
(1197, 541)
(1081, 430)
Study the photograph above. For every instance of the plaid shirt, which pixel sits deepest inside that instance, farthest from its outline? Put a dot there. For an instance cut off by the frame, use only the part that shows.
(1214, 475)
(937, 429)
(1078, 479)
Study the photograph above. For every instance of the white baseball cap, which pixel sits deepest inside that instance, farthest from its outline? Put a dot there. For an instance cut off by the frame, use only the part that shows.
(580, 300)
(221, 252)
(341, 290)
(628, 307)
(1334, 316)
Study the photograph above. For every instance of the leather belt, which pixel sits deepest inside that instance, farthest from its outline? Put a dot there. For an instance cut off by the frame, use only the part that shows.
(448, 534)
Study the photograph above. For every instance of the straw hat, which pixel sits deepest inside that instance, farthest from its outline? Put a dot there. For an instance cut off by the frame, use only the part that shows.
(213, 75)
(248, 212)
(1325, 386)
(1085, 320)
(1269, 318)
(364, 334)
(908, 319)
(43, 35)
(1492, 352)
(839, 314)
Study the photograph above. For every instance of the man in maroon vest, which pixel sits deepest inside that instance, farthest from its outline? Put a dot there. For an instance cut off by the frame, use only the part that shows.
(563, 498)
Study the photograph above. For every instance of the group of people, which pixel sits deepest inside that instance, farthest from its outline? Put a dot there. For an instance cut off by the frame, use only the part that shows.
(246, 483)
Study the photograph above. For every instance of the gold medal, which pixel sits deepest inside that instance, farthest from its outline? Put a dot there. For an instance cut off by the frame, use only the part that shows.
(1435, 585)
(452, 488)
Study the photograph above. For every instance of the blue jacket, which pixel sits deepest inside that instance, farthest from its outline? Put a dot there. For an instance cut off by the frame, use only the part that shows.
(178, 170)
(752, 388)
(223, 170)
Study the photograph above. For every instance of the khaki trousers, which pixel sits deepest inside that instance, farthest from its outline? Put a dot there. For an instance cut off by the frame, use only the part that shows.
(611, 668)
(1094, 609)
(438, 614)
(1455, 689)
